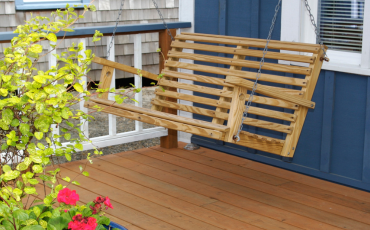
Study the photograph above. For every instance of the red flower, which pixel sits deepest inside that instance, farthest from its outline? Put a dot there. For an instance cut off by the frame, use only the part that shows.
(107, 203)
(68, 196)
(99, 199)
(82, 223)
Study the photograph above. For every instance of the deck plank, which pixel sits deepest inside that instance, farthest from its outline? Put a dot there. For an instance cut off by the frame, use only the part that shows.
(299, 193)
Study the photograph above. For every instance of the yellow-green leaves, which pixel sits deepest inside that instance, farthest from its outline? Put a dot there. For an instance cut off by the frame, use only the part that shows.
(67, 179)
(11, 175)
(37, 169)
(39, 135)
(36, 48)
(68, 156)
(30, 190)
(78, 87)
(22, 166)
(6, 168)
(97, 36)
(79, 146)
(40, 79)
(3, 92)
(24, 128)
(6, 78)
(52, 37)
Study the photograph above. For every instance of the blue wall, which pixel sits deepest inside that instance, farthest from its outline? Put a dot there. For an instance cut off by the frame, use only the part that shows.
(335, 140)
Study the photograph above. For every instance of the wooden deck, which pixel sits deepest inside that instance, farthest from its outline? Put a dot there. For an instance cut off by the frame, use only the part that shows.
(160, 189)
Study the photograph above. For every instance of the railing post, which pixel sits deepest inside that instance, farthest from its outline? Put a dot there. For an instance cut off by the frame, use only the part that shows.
(52, 61)
(112, 118)
(169, 141)
(85, 126)
(138, 60)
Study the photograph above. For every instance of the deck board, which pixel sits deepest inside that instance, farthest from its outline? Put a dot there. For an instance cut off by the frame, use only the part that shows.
(158, 188)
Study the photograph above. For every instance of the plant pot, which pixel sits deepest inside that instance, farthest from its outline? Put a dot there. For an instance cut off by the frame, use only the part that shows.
(114, 225)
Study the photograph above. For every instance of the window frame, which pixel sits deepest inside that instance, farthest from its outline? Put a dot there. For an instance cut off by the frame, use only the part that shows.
(296, 27)
(20, 5)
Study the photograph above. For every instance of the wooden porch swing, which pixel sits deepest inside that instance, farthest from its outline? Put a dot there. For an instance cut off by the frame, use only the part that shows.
(287, 106)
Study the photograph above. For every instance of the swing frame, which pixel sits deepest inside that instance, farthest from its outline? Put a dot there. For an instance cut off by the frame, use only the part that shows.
(231, 99)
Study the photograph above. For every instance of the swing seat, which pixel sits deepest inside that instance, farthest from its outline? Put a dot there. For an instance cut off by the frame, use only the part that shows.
(279, 109)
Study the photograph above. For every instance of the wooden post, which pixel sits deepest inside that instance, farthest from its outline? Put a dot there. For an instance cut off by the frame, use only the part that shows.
(169, 141)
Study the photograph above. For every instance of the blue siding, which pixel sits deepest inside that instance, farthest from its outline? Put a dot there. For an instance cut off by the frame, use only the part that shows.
(335, 140)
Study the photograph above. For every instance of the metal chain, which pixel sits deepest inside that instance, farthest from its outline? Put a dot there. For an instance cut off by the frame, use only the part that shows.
(262, 62)
(164, 22)
(115, 28)
(317, 32)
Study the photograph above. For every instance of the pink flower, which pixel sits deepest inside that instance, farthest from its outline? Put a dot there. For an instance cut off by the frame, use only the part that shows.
(68, 196)
(82, 223)
(107, 202)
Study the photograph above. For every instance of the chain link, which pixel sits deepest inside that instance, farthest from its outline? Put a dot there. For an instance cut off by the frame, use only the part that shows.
(262, 62)
(317, 32)
(164, 22)
(115, 28)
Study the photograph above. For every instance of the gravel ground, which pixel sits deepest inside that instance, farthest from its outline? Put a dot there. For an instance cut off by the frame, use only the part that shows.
(99, 127)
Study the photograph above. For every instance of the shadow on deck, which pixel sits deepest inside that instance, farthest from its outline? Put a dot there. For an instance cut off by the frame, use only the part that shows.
(160, 189)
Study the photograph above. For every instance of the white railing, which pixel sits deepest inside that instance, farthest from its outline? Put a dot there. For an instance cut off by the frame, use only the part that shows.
(114, 138)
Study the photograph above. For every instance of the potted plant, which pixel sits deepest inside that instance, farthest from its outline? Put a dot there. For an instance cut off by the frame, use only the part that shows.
(33, 103)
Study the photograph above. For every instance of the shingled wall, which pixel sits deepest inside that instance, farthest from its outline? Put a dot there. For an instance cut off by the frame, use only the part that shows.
(135, 12)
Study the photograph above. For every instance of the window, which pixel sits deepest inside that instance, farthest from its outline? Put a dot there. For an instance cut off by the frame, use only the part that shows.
(47, 4)
(341, 24)
(344, 27)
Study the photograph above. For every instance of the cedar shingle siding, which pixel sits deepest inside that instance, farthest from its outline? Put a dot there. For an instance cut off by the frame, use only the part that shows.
(135, 12)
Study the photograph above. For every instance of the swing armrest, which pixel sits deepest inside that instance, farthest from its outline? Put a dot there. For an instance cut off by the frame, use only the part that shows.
(125, 68)
(269, 91)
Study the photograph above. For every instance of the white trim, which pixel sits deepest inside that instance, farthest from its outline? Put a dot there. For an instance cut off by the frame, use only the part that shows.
(296, 27)
(112, 119)
(186, 14)
(138, 60)
(365, 62)
(85, 126)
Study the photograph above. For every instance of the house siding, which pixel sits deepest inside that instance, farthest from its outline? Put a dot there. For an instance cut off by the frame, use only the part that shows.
(335, 140)
(134, 12)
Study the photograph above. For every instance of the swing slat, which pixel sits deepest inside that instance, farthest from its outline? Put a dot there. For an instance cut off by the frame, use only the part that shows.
(271, 92)
(245, 52)
(241, 63)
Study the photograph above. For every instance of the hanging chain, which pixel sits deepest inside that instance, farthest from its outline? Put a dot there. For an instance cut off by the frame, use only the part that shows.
(115, 28)
(262, 62)
(164, 22)
(317, 32)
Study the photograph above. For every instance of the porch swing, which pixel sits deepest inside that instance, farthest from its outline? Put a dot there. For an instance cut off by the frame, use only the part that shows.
(234, 104)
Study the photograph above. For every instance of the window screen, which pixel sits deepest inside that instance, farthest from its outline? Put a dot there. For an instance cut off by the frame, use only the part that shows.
(341, 24)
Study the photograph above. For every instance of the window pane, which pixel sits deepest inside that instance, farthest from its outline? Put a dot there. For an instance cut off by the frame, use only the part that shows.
(341, 24)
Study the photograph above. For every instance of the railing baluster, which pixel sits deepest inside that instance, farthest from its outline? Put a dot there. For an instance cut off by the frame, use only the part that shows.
(138, 60)
(112, 118)
(85, 127)
(52, 61)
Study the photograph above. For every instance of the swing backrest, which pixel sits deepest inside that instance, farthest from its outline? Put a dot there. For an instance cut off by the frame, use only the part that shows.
(219, 58)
